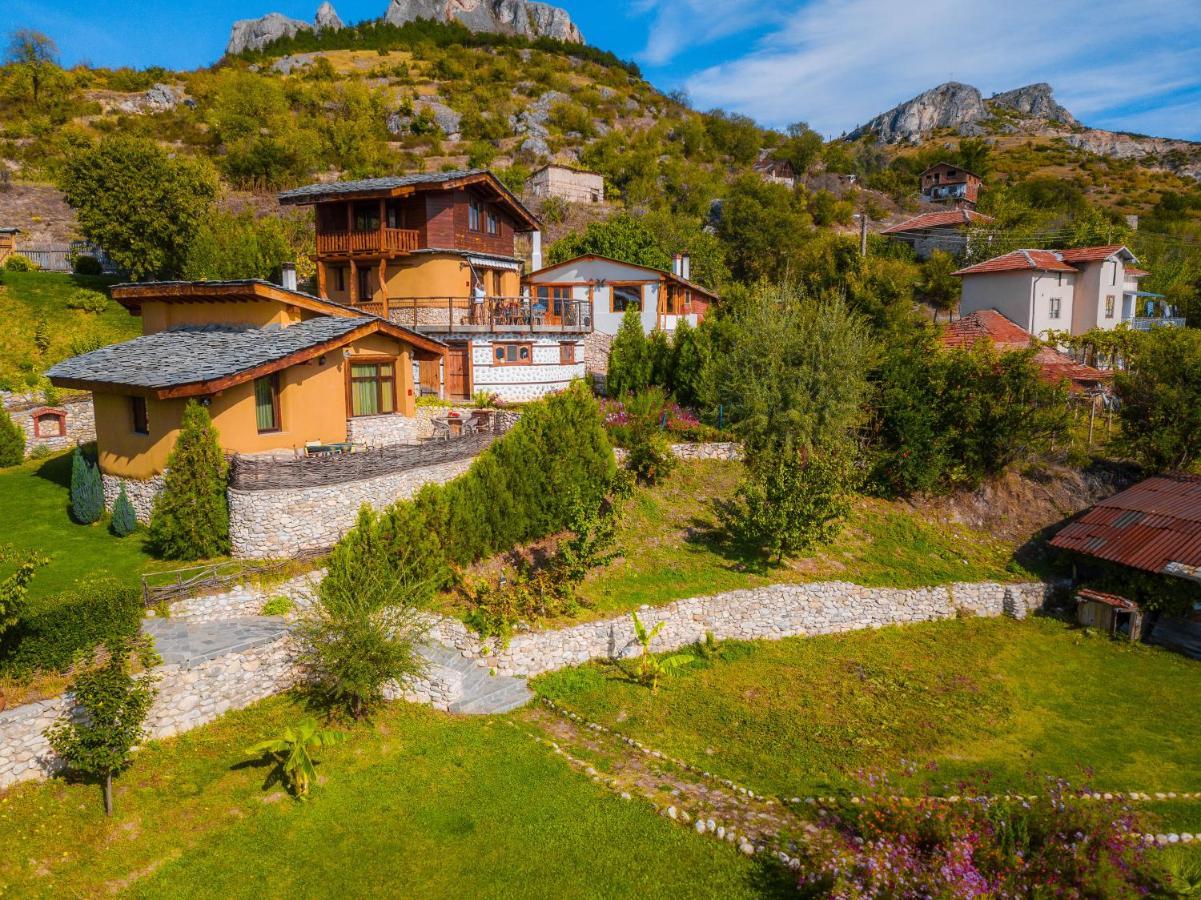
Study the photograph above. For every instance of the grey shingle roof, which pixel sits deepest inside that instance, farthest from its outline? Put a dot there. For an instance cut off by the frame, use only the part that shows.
(333, 188)
(193, 353)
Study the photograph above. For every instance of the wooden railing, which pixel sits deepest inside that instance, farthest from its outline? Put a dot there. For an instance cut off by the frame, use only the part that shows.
(399, 240)
(491, 313)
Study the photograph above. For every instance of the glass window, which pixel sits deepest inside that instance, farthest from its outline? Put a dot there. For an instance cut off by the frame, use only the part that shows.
(372, 388)
(625, 296)
(473, 214)
(493, 226)
(512, 354)
(1110, 302)
(366, 217)
(1054, 308)
(266, 403)
(141, 422)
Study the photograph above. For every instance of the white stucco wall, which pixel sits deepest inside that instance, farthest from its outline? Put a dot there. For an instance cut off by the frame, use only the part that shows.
(600, 273)
(1096, 282)
(545, 375)
(1012, 293)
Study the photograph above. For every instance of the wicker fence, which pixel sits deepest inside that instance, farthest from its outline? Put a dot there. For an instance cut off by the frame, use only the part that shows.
(213, 578)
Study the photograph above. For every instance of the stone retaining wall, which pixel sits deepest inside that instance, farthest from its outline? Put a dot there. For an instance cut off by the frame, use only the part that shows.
(384, 431)
(140, 493)
(247, 599)
(284, 522)
(726, 450)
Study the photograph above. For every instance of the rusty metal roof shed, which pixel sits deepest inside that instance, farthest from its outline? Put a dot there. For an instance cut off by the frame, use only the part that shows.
(1154, 526)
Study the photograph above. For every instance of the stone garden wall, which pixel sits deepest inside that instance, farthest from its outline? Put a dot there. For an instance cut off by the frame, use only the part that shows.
(725, 450)
(385, 431)
(77, 418)
(140, 493)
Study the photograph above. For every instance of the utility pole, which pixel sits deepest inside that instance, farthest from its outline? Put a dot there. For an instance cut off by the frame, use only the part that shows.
(863, 234)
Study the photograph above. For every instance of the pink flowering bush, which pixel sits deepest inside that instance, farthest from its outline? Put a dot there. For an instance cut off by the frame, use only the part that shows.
(1057, 844)
(680, 424)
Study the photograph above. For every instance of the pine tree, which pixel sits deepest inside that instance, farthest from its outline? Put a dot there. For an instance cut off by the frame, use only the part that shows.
(190, 519)
(12, 441)
(629, 357)
(125, 520)
(87, 490)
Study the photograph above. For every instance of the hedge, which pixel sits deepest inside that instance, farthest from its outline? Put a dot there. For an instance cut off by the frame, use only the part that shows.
(69, 626)
(523, 487)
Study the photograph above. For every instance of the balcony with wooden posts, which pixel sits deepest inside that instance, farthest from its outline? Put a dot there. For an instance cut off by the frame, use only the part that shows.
(482, 315)
(367, 242)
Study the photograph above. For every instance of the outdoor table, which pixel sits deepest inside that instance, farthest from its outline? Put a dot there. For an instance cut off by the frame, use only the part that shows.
(328, 449)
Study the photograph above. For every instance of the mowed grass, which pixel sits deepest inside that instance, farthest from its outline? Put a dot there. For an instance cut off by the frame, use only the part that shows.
(966, 697)
(415, 804)
(35, 515)
(672, 548)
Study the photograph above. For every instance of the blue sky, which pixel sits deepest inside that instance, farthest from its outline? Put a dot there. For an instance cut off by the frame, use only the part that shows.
(833, 63)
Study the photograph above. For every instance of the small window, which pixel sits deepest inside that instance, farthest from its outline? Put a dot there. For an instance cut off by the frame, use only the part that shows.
(473, 214)
(339, 279)
(1110, 303)
(493, 225)
(364, 285)
(50, 424)
(266, 403)
(1054, 308)
(626, 295)
(372, 388)
(512, 354)
(141, 422)
(567, 353)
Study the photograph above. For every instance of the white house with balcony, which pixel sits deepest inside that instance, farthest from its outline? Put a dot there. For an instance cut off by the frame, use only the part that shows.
(1072, 290)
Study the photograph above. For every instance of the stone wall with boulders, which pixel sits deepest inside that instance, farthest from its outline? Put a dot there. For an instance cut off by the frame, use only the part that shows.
(75, 414)
(246, 600)
(140, 493)
(724, 450)
(287, 521)
(384, 431)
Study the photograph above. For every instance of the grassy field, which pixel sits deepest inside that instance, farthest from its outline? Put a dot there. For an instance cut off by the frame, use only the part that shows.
(29, 297)
(672, 548)
(417, 804)
(804, 716)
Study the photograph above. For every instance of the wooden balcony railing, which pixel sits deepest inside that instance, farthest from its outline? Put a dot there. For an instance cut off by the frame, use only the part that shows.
(489, 313)
(398, 240)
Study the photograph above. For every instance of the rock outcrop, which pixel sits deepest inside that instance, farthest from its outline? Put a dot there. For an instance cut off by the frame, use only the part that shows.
(950, 105)
(522, 17)
(254, 34)
(1034, 101)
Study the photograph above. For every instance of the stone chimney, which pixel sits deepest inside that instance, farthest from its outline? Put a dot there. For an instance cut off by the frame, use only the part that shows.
(677, 264)
(686, 267)
(287, 276)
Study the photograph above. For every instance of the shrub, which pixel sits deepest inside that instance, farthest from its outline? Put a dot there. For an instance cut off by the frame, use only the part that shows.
(279, 605)
(87, 489)
(88, 301)
(1161, 399)
(15, 588)
(12, 440)
(190, 519)
(18, 262)
(630, 362)
(125, 520)
(69, 626)
(291, 752)
(115, 704)
(649, 452)
(87, 265)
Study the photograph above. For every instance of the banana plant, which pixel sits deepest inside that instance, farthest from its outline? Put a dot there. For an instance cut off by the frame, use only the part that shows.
(292, 753)
(651, 667)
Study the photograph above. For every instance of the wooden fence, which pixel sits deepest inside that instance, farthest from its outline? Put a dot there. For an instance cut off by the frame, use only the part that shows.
(214, 578)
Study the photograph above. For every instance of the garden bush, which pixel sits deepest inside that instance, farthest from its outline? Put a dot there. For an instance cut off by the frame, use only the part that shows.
(125, 520)
(69, 626)
(87, 489)
(18, 262)
(649, 454)
(88, 300)
(12, 440)
(87, 265)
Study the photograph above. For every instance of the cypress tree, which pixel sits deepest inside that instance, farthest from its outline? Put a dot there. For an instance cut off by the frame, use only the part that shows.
(190, 519)
(87, 490)
(12, 441)
(629, 357)
(125, 520)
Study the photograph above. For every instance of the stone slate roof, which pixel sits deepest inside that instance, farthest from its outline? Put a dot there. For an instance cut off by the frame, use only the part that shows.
(193, 353)
(365, 185)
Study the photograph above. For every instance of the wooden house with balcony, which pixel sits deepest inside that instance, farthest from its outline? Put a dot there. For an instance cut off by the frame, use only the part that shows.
(437, 252)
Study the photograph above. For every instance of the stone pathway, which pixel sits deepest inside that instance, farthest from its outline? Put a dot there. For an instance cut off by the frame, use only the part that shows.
(187, 644)
(480, 693)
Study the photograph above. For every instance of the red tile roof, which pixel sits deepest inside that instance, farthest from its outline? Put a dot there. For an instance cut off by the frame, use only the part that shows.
(938, 220)
(1108, 599)
(1092, 254)
(1132, 272)
(1148, 526)
(1018, 260)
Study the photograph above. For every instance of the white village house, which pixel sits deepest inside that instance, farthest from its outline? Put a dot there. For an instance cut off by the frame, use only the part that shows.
(567, 183)
(1065, 290)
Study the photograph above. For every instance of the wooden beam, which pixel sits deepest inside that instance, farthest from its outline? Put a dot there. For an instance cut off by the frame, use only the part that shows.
(321, 288)
(354, 282)
(382, 293)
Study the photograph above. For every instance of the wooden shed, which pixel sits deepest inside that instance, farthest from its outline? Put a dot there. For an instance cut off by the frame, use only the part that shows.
(8, 239)
(1115, 616)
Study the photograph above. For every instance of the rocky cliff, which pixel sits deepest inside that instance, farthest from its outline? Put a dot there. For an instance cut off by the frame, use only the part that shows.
(1034, 101)
(523, 17)
(254, 34)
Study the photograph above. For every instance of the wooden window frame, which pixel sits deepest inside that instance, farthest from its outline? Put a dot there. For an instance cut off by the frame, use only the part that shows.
(274, 380)
(473, 214)
(139, 424)
(58, 416)
(351, 362)
(567, 353)
(491, 222)
(366, 295)
(613, 285)
(1111, 305)
(339, 278)
(529, 345)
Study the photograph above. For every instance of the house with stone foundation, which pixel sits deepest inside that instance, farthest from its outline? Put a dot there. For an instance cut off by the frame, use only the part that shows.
(279, 370)
(437, 253)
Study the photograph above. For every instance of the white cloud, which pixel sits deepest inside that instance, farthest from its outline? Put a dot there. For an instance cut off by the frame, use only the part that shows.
(836, 63)
(678, 24)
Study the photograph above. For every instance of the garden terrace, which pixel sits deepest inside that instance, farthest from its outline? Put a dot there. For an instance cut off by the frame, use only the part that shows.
(491, 314)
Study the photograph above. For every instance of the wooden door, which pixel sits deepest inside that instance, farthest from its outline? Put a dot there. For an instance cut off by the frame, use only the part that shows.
(430, 371)
(458, 372)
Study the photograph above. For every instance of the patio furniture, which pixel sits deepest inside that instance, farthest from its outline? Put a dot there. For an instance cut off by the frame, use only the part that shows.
(318, 449)
(441, 425)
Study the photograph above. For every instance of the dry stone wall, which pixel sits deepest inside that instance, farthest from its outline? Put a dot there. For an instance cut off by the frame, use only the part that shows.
(384, 431)
(140, 493)
(725, 450)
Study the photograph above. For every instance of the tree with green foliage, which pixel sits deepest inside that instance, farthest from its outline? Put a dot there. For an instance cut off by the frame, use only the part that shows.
(762, 225)
(648, 452)
(228, 246)
(125, 520)
(14, 589)
(35, 56)
(115, 704)
(631, 365)
(12, 440)
(139, 204)
(792, 499)
(87, 489)
(190, 519)
(689, 356)
(651, 667)
(1160, 392)
(624, 236)
(789, 369)
(292, 753)
(938, 287)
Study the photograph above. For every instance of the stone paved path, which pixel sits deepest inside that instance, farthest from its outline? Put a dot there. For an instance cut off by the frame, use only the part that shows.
(187, 644)
(481, 692)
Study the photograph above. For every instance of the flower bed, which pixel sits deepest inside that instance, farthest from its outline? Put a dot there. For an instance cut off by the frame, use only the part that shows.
(678, 422)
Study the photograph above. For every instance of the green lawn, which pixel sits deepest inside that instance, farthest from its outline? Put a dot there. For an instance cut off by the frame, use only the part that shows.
(672, 548)
(26, 297)
(803, 716)
(34, 514)
(417, 804)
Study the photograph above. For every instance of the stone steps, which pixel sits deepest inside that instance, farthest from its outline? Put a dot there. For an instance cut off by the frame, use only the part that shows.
(480, 692)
